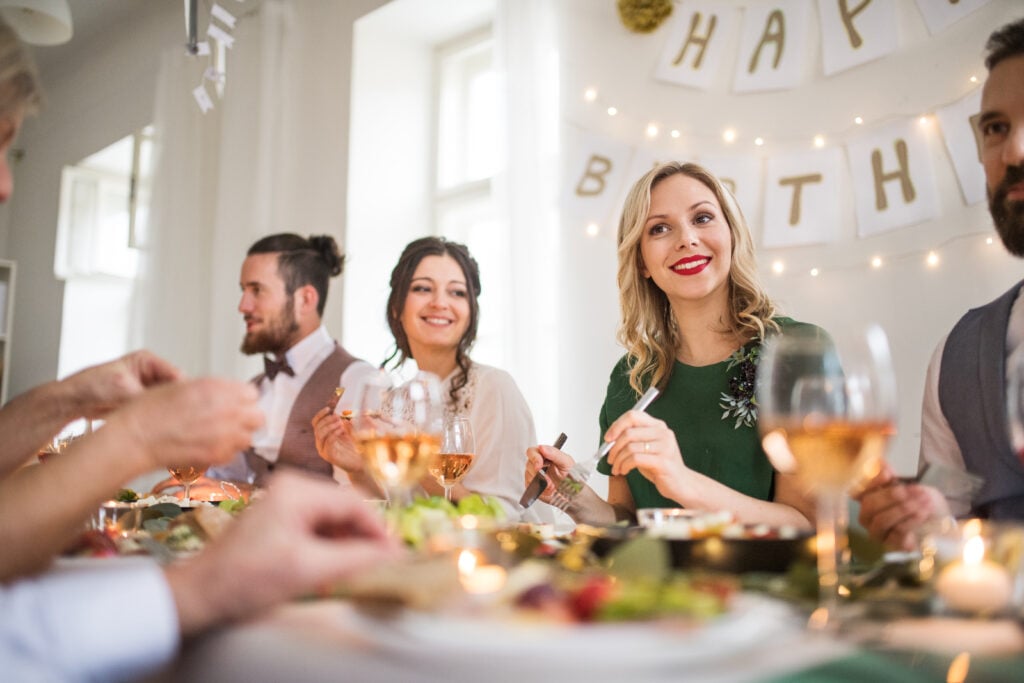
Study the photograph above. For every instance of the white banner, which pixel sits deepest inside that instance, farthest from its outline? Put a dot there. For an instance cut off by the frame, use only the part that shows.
(699, 36)
(596, 171)
(773, 46)
(962, 144)
(893, 178)
(938, 14)
(742, 175)
(802, 198)
(854, 32)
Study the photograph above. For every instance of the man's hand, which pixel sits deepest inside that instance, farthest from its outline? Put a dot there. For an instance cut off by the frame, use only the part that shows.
(892, 512)
(303, 536)
(100, 389)
(199, 422)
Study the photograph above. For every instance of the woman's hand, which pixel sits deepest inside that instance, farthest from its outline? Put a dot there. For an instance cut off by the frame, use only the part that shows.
(539, 456)
(334, 441)
(646, 444)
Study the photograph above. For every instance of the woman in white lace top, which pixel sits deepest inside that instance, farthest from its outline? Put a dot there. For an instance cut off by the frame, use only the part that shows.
(433, 314)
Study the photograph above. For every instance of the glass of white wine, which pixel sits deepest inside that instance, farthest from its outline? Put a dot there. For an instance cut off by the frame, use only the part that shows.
(833, 401)
(397, 430)
(186, 475)
(458, 449)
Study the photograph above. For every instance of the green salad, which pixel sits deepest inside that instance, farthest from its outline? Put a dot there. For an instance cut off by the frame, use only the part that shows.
(416, 521)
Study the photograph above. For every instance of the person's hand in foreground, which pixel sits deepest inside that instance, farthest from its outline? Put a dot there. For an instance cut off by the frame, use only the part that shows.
(302, 536)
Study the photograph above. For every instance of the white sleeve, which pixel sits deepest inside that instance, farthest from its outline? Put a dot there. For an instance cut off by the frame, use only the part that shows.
(97, 624)
(353, 378)
(938, 443)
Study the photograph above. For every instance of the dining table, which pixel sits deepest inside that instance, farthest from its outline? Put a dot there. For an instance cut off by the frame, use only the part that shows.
(763, 636)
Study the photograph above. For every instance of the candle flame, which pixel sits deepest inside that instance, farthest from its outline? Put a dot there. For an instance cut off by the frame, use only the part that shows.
(974, 550)
(958, 668)
(467, 562)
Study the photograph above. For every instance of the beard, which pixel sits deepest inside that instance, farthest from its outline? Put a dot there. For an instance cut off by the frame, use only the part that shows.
(1007, 215)
(276, 337)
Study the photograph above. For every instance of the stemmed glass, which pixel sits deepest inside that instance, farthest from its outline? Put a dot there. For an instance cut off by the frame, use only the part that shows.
(458, 449)
(186, 475)
(834, 403)
(397, 430)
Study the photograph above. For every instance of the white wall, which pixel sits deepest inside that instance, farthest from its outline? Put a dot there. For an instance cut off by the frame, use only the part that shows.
(90, 103)
(916, 305)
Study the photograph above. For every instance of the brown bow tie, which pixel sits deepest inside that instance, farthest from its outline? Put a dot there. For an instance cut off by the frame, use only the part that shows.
(271, 367)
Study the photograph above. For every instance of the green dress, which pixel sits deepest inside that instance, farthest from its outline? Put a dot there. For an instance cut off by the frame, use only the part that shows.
(691, 406)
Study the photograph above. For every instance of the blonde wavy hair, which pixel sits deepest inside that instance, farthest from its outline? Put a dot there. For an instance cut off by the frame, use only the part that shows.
(648, 330)
(20, 93)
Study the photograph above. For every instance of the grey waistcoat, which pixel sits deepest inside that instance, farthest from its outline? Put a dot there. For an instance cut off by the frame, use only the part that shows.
(972, 394)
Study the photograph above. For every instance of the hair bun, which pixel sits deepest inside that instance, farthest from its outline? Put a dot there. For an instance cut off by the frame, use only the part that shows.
(328, 250)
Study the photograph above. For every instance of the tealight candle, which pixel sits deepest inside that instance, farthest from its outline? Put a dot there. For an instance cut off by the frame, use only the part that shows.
(479, 578)
(975, 585)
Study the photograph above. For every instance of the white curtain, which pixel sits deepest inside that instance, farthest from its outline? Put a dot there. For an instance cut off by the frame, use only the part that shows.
(270, 157)
(527, 198)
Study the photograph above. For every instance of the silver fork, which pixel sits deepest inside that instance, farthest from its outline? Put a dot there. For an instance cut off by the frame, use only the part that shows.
(577, 477)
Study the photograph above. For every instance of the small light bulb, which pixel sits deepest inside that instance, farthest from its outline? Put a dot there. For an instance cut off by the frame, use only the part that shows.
(815, 272)
(674, 133)
(612, 111)
(590, 94)
(923, 121)
(778, 267)
(819, 141)
(989, 240)
(759, 141)
(973, 79)
(652, 130)
(593, 229)
(932, 260)
(729, 135)
(858, 120)
(876, 262)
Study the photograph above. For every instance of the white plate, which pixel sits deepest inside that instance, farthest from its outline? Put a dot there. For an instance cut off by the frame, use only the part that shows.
(604, 648)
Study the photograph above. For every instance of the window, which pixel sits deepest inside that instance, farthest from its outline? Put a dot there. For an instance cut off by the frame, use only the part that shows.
(468, 156)
(103, 208)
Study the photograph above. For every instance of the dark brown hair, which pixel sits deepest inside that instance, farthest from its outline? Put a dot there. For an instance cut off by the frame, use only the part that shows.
(302, 261)
(1005, 42)
(401, 279)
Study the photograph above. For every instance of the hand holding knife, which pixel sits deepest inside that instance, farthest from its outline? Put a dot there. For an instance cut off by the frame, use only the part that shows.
(539, 482)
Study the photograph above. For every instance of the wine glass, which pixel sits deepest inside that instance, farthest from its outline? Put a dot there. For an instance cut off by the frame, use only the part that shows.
(186, 476)
(833, 402)
(458, 449)
(397, 430)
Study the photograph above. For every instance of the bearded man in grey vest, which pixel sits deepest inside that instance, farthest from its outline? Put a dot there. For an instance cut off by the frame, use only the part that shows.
(963, 423)
(284, 285)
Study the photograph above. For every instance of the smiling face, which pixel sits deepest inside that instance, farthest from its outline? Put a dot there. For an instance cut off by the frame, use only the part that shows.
(266, 307)
(1001, 125)
(686, 243)
(436, 310)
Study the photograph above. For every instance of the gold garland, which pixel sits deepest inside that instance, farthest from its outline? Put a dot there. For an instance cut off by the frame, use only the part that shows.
(643, 16)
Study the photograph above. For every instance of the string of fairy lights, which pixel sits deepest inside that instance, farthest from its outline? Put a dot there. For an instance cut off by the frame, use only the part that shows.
(731, 137)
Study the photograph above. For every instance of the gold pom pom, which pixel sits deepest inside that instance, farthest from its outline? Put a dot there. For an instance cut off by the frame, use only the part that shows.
(643, 16)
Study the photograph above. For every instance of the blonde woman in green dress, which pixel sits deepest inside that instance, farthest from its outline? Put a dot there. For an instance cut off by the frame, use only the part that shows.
(693, 318)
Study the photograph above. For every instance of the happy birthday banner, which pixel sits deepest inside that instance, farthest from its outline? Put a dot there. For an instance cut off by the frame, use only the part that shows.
(798, 193)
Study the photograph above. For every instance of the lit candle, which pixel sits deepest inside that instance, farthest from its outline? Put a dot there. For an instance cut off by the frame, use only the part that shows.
(975, 585)
(477, 578)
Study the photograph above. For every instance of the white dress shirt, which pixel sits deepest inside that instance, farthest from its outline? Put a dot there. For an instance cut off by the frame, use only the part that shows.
(938, 443)
(110, 622)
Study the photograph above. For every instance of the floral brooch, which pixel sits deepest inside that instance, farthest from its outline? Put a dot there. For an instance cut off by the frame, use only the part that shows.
(741, 403)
